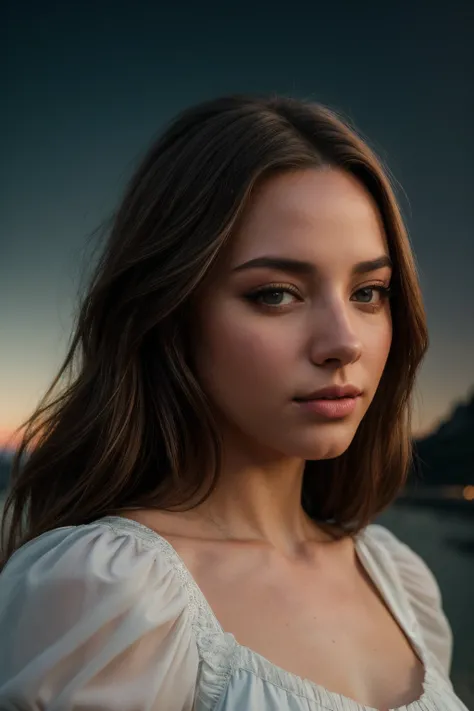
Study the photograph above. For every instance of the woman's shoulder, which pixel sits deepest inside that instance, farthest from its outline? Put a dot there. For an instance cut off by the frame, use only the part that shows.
(420, 587)
(109, 550)
(412, 568)
(100, 595)
(72, 570)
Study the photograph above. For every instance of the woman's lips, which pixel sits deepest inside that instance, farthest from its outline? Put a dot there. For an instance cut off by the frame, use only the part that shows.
(333, 409)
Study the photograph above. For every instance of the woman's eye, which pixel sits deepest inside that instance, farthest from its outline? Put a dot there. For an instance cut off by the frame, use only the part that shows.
(366, 294)
(273, 297)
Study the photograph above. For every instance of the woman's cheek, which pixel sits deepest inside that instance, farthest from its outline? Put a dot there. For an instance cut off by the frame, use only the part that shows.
(377, 347)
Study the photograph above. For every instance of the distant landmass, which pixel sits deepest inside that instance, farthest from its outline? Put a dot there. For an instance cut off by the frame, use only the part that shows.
(5, 463)
(443, 458)
(446, 456)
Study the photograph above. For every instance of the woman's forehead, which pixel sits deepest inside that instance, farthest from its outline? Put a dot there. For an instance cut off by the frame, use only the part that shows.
(309, 213)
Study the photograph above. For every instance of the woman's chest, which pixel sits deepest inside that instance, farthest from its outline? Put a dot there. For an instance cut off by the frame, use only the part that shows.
(342, 638)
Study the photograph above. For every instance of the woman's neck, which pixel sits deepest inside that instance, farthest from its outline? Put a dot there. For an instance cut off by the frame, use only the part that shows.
(261, 503)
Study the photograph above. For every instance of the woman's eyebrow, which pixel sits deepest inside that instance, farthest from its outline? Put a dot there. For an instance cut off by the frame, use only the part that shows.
(297, 266)
(372, 265)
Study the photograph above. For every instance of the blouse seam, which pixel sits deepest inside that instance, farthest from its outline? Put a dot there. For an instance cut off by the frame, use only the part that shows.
(137, 534)
(226, 676)
(293, 692)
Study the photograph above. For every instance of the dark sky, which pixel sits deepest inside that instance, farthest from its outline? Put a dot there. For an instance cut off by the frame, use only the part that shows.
(88, 84)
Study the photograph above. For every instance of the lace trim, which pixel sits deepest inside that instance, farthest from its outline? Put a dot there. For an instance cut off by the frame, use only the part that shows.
(214, 645)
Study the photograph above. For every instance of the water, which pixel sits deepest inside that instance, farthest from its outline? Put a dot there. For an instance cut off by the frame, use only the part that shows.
(446, 542)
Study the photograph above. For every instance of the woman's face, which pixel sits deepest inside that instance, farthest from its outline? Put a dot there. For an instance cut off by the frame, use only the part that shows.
(298, 305)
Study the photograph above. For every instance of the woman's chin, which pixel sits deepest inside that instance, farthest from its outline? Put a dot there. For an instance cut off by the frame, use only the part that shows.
(328, 446)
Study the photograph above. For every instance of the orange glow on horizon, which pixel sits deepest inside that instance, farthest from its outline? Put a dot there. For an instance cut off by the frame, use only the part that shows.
(9, 439)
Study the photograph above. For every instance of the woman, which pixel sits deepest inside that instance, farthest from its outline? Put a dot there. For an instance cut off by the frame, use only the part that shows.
(193, 527)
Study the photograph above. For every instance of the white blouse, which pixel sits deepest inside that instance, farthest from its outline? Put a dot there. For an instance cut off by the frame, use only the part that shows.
(106, 617)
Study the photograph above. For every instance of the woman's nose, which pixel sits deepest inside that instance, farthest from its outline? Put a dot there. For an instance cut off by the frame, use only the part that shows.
(334, 339)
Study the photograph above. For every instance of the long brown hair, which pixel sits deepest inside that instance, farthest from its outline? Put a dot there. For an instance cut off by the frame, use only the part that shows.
(132, 427)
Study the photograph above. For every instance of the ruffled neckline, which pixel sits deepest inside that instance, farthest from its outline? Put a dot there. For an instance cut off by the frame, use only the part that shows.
(221, 649)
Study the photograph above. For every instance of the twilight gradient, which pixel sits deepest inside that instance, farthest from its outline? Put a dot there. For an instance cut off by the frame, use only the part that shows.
(89, 86)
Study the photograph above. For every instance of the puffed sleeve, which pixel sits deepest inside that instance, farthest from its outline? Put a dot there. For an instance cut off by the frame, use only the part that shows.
(424, 597)
(94, 620)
